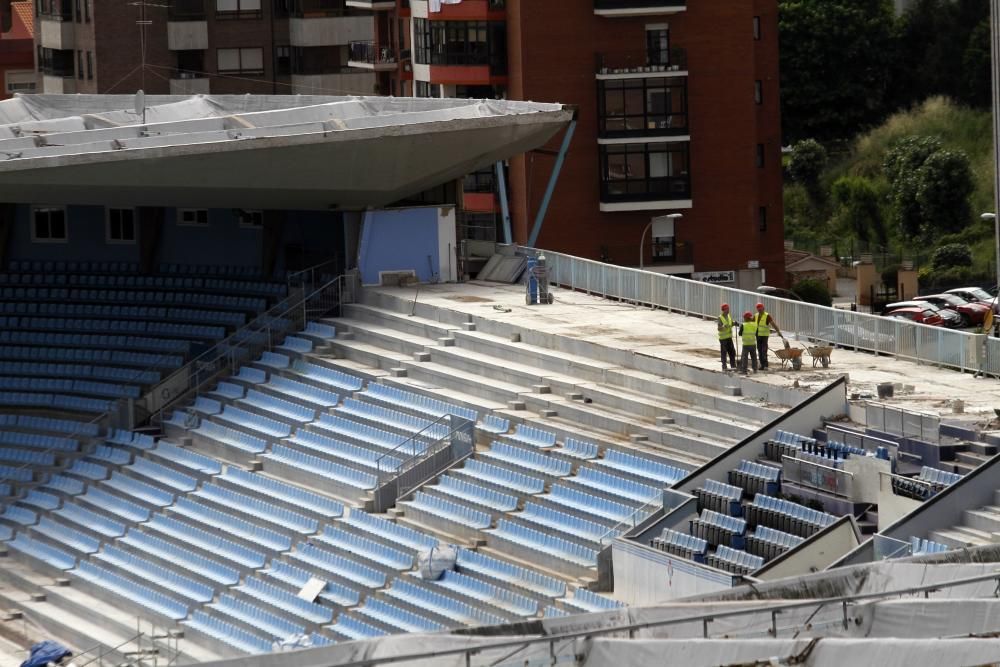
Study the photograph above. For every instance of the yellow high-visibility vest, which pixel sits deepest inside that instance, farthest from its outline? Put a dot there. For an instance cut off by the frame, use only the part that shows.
(726, 332)
(750, 333)
(763, 330)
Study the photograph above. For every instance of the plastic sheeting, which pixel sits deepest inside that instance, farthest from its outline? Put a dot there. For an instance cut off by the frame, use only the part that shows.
(45, 652)
(434, 562)
(434, 6)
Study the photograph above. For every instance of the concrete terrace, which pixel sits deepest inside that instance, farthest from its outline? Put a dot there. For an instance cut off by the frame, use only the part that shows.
(578, 318)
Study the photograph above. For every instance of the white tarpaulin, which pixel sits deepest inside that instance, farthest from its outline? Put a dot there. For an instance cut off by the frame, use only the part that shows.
(435, 5)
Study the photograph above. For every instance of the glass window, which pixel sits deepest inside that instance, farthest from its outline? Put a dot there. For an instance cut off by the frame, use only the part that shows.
(197, 217)
(760, 155)
(48, 224)
(756, 27)
(657, 47)
(282, 60)
(762, 218)
(250, 218)
(238, 9)
(758, 92)
(646, 106)
(90, 65)
(121, 225)
(461, 43)
(79, 64)
(246, 61)
(652, 171)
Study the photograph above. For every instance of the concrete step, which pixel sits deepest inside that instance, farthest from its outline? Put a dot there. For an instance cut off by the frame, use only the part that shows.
(388, 337)
(367, 354)
(417, 325)
(960, 536)
(986, 519)
(973, 459)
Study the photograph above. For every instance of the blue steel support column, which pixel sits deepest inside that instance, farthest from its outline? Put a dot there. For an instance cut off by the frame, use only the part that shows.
(504, 206)
(540, 218)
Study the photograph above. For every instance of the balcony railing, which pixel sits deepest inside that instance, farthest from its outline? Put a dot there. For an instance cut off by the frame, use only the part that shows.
(664, 188)
(367, 52)
(186, 10)
(317, 8)
(656, 254)
(637, 6)
(648, 63)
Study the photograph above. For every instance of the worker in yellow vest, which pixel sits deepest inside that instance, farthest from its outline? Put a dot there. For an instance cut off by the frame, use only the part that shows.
(726, 347)
(748, 333)
(764, 323)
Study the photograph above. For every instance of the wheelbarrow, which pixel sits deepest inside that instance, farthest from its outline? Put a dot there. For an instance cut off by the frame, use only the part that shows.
(789, 357)
(820, 354)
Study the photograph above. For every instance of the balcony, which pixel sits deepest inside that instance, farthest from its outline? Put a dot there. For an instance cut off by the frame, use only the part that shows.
(667, 63)
(56, 31)
(189, 83)
(366, 55)
(646, 194)
(373, 5)
(58, 83)
(318, 29)
(669, 257)
(637, 110)
(613, 8)
(346, 82)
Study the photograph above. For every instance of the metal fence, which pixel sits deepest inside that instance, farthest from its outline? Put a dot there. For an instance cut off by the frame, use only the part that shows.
(816, 476)
(421, 468)
(800, 321)
(906, 423)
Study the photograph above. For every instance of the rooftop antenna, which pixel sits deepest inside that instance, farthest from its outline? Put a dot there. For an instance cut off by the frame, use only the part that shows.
(140, 105)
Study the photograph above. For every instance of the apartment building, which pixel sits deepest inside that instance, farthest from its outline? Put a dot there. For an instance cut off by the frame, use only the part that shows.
(677, 149)
(201, 46)
(17, 62)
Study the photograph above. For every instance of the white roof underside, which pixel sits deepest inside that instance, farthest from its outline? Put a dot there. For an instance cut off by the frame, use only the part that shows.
(270, 151)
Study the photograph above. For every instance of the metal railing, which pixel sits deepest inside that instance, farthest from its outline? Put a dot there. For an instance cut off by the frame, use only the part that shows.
(560, 642)
(631, 521)
(800, 321)
(247, 343)
(907, 423)
(366, 51)
(818, 476)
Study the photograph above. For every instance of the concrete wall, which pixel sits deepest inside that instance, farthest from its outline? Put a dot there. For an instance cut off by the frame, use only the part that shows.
(410, 239)
(646, 576)
(816, 553)
(866, 471)
(86, 238)
(892, 508)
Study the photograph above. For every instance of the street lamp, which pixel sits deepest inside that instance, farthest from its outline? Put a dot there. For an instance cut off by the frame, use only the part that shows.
(642, 239)
(992, 217)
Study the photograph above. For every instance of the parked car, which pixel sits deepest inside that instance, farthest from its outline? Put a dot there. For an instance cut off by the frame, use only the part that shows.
(972, 313)
(857, 335)
(918, 315)
(778, 292)
(976, 294)
(949, 317)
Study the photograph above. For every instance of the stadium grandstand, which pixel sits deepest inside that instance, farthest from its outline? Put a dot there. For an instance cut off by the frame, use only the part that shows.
(243, 419)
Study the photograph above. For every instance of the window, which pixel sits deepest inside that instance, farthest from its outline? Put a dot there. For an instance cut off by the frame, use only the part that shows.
(19, 81)
(282, 60)
(237, 9)
(250, 218)
(48, 224)
(244, 61)
(87, 7)
(645, 172)
(78, 14)
(762, 218)
(657, 46)
(423, 89)
(90, 65)
(760, 155)
(461, 43)
(756, 27)
(480, 181)
(79, 64)
(121, 225)
(197, 217)
(758, 92)
(56, 62)
(642, 106)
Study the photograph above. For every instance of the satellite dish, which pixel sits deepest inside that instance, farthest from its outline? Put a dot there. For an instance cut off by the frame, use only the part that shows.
(140, 103)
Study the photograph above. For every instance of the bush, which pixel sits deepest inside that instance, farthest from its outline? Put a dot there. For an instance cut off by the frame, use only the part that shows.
(890, 275)
(953, 254)
(807, 162)
(815, 291)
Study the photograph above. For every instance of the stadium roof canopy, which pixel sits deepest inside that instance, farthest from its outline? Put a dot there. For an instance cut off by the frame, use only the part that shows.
(255, 151)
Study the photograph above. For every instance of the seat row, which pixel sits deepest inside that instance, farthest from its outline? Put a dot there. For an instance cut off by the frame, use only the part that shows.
(56, 401)
(369, 435)
(681, 544)
(610, 510)
(247, 303)
(89, 356)
(533, 436)
(337, 380)
(324, 468)
(547, 518)
(734, 560)
(80, 371)
(95, 341)
(585, 600)
(75, 386)
(67, 426)
(755, 478)
(392, 396)
(394, 418)
(372, 459)
(720, 497)
(660, 473)
(787, 516)
(770, 543)
(114, 326)
(82, 279)
(617, 486)
(920, 546)
(407, 590)
(38, 441)
(528, 460)
(65, 310)
(544, 543)
(717, 528)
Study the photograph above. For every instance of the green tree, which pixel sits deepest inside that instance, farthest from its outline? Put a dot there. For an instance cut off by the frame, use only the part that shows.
(807, 162)
(952, 254)
(836, 58)
(858, 209)
(815, 291)
(944, 184)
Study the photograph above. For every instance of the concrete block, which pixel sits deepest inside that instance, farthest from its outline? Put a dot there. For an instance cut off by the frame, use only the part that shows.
(541, 389)
(574, 396)
(398, 372)
(516, 405)
(732, 391)
(63, 581)
(345, 335)
(256, 465)
(665, 421)
(515, 338)
(422, 356)
(12, 615)
(447, 341)
(548, 413)
(38, 597)
(184, 442)
(638, 437)
(470, 326)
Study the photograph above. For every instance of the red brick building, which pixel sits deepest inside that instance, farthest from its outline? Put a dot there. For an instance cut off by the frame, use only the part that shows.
(17, 60)
(678, 114)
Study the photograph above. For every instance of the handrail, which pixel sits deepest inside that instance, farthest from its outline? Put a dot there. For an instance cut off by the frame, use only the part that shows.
(704, 619)
(658, 498)
(101, 652)
(413, 438)
(311, 270)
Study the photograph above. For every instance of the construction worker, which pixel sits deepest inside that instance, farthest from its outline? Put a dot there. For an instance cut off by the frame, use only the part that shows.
(748, 332)
(764, 323)
(726, 346)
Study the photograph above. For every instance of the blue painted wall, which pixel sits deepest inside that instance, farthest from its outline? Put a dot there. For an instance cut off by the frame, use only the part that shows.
(399, 240)
(222, 241)
(86, 227)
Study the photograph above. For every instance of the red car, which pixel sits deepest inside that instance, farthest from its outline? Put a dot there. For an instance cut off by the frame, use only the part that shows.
(974, 294)
(918, 315)
(972, 313)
